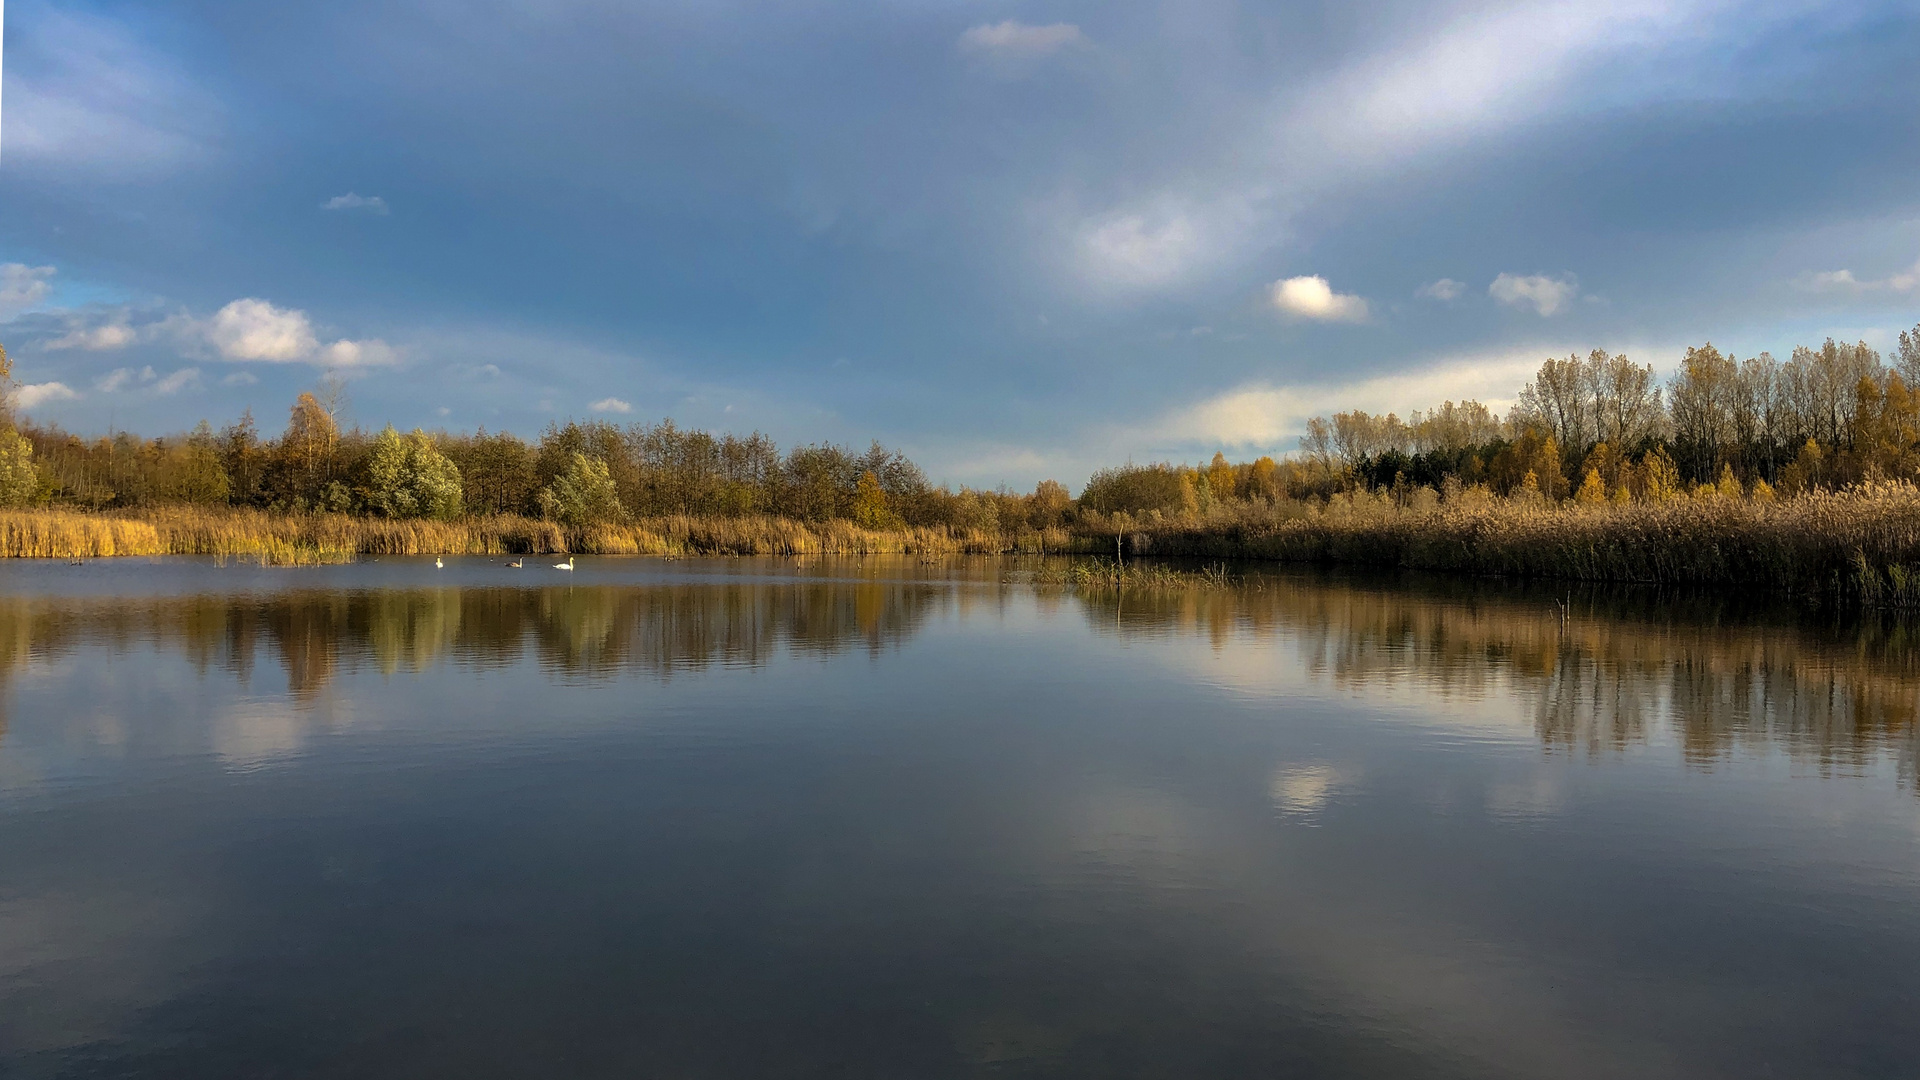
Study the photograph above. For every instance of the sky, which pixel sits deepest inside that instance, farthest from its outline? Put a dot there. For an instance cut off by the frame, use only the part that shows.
(1016, 240)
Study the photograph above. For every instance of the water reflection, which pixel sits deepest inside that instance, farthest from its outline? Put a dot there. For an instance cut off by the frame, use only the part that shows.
(1620, 670)
(583, 632)
(900, 823)
(1617, 670)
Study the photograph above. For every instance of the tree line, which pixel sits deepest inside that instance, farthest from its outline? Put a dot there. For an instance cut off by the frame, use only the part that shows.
(577, 473)
(1593, 428)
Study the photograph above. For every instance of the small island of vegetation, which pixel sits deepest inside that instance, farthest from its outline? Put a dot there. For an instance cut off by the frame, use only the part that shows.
(1796, 475)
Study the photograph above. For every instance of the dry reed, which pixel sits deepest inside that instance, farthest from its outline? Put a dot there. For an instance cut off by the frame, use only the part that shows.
(1863, 542)
(296, 539)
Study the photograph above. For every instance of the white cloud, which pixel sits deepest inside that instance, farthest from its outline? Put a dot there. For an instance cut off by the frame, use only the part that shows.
(1546, 295)
(611, 405)
(256, 330)
(253, 329)
(1445, 289)
(372, 204)
(240, 378)
(103, 338)
(37, 394)
(1844, 281)
(1018, 40)
(23, 287)
(358, 354)
(1312, 298)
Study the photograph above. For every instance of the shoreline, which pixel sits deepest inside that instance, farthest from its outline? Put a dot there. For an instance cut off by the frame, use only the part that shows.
(1862, 543)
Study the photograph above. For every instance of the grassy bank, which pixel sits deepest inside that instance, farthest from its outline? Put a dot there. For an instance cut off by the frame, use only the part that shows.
(295, 539)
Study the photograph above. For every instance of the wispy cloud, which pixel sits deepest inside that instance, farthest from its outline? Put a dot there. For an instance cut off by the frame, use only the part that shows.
(1136, 248)
(106, 337)
(1440, 83)
(611, 405)
(1268, 416)
(1312, 298)
(1018, 40)
(1446, 289)
(371, 204)
(120, 380)
(23, 288)
(178, 381)
(1844, 282)
(1546, 295)
(85, 91)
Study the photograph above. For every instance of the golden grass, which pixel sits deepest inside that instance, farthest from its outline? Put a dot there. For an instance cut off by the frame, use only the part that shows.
(299, 539)
(1863, 542)
(55, 534)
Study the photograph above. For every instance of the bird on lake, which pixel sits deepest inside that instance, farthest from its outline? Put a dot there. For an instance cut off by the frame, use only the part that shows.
(437, 564)
(568, 565)
(516, 563)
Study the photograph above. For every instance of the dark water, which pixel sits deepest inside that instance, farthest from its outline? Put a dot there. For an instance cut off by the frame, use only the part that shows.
(884, 819)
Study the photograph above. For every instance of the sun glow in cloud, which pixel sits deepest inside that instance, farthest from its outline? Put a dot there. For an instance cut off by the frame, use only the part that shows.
(1312, 298)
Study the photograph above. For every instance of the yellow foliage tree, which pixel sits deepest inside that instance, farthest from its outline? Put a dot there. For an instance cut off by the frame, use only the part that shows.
(1728, 485)
(1659, 474)
(1593, 490)
(870, 509)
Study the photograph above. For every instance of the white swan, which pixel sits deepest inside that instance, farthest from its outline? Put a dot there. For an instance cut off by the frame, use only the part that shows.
(437, 564)
(568, 565)
(515, 563)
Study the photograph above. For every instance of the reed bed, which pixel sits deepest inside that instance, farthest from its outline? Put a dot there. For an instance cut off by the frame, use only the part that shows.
(302, 539)
(1102, 574)
(1863, 541)
(54, 534)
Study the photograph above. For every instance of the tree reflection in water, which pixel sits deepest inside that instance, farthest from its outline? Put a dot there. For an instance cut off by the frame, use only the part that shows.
(1624, 666)
(1836, 691)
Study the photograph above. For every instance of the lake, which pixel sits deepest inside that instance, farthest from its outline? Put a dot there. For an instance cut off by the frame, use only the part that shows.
(895, 818)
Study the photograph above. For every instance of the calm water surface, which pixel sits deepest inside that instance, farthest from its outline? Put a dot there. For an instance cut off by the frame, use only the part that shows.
(887, 819)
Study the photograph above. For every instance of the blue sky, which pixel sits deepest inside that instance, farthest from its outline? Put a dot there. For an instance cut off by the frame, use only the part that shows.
(1016, 240)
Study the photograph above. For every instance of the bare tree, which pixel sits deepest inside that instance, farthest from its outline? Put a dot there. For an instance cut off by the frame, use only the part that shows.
(1557, 402)
(1626, 400)
(1701, 397)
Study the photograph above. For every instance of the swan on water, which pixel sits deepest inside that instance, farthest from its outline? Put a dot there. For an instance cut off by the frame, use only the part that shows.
(516, 563)
(568, 565)
(437, 564)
